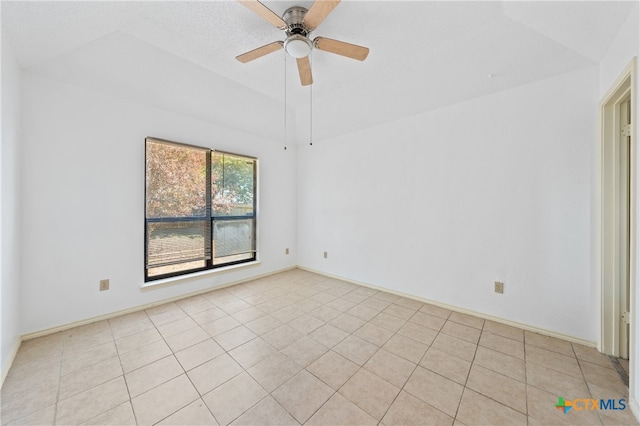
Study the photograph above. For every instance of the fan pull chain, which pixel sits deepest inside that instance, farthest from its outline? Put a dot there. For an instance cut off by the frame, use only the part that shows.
(310, 110)
(285, 101)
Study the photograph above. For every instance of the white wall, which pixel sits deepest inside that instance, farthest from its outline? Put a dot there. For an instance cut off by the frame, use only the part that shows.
(442, 204)
(9, 207)
(624, 48)
(83, 201)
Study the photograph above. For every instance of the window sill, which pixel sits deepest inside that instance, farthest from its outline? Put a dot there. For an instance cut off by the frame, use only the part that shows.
(197, 275)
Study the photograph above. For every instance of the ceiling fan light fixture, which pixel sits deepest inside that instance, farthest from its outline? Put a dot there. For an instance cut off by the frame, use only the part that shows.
(298, 46)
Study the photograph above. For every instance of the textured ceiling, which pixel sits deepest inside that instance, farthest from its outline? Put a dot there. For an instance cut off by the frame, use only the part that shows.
(180, 55)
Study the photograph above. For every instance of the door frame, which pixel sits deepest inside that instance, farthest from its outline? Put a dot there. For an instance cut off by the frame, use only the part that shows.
(611, 280)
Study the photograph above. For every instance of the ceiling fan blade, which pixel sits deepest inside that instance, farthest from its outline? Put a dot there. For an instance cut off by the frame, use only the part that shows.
(341, 48)
(319, 10)
(304, 69)
(260, 52)
(264, 12)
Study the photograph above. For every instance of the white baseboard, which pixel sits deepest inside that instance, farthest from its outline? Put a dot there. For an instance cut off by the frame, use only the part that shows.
(9, 362)
(74, 324)
(460, 310)
(372, 286)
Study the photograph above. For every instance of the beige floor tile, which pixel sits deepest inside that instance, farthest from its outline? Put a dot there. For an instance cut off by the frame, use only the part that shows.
(187, 338)
(451, 367)
(175, 327)
(502, 344)
(592, 355)
(408, 303)
(136, 340)
(387, 297)
(503, 389)
(435, 390)
(306, 323)
(373, 334)
(369, 392)
(144, 355)
(221, 325)
(208, 316)
(465, 319)
(426, 320)
(267, 411)
(409, 410)
(333, 369)
(340, 411)
(328, 335)
(77, 360)
(501, 363)
(341, 305)
(387, 321)
(553, 361)
(234, 337)
(390, 367)
(263, 324)
(550, 343)
(152, 375)
(375, 304)
(124, 329)
(194, 305)
(228, 401)
(302, 395)
(121, 415)
(195, 413)
(16, 405)
(282, 336)
(88, 377)
(198, 354)
(541, 408)
(274, 370)
(323, 298)
(171, 312)
(127, 319)
(602, 377)
(405, 347)
(401, 312)
(45, 416)
(164, 400)
(362, 312)
(304, 351)
(356, 349)
(355, 297)
(417, 332)
(461, 331)
(93, 402)
(347, 323)
(325, 313)
(252, 352)
(504, 330)
(235, 306)
(555, 382)
(306, 305)
(598, 392)
(435, 311)
(476, 409)
(287, 314)
(212, 374)
(454, 346)
(249, 314)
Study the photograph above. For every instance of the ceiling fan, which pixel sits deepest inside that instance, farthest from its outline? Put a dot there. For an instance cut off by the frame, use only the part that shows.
(298, 23)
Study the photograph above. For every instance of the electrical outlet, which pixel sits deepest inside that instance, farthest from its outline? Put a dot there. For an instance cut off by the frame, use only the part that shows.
(104, 285)
(325, 254)
(286, 251)
(499, 287)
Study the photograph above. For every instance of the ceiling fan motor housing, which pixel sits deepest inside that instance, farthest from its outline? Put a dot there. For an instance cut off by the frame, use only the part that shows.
(297, 43)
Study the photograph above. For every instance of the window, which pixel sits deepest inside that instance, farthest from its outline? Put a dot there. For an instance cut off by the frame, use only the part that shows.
(200, 210)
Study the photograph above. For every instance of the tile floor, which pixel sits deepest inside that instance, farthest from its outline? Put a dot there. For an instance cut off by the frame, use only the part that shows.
(299, 348)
